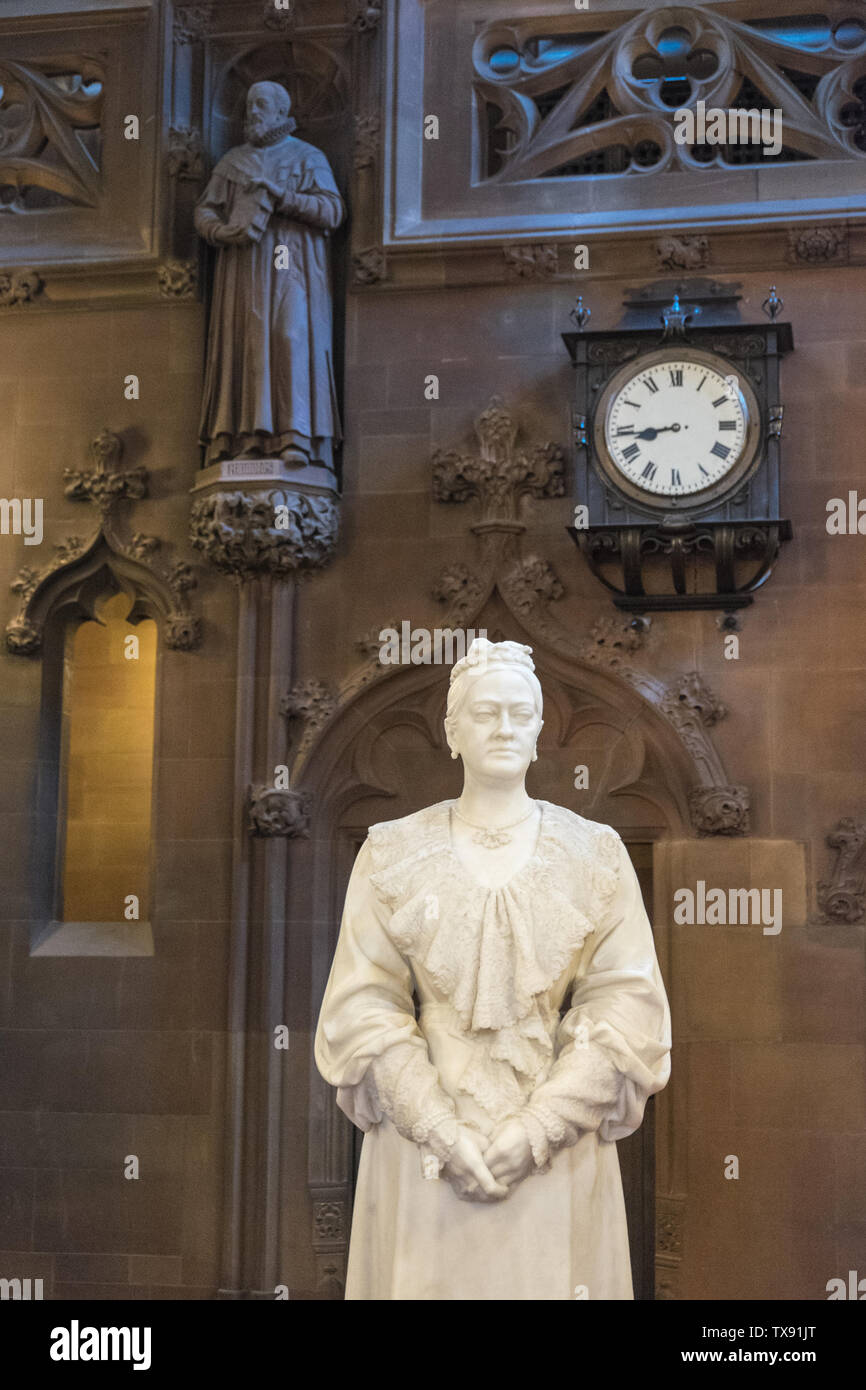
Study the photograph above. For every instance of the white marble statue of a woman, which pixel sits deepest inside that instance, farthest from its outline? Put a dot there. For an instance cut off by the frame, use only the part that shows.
(489, 1167)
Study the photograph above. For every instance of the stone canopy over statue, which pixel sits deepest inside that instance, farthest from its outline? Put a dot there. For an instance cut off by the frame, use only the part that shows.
(268, 209)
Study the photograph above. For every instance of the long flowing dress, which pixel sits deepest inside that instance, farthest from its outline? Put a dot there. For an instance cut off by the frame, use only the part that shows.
(492, 969)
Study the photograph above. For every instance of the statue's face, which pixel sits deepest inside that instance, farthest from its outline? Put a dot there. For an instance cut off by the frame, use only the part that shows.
(496, 726)
(263, 110)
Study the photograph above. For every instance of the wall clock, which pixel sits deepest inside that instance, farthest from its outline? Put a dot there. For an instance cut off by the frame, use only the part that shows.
(678, 464)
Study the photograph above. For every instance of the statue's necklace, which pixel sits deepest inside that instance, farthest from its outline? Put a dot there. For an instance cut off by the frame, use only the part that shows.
(492, 839)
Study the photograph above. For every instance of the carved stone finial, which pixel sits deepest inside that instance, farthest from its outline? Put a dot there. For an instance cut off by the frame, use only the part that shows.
(842, 897)
(278, 812)
(720, 810)
(498, 474)
(106, 482)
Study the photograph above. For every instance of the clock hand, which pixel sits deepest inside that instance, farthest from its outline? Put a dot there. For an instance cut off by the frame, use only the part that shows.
(652, 433)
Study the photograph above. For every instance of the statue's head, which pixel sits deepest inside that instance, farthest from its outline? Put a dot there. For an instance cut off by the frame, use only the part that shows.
(493, 717)
(268, 106)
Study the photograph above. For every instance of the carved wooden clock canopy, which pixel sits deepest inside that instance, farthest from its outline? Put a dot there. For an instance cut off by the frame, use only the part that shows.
(678, 424)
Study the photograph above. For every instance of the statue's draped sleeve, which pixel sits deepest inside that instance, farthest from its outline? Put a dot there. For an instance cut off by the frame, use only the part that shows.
(613, 1045)
(316, 200)
(368, 1043)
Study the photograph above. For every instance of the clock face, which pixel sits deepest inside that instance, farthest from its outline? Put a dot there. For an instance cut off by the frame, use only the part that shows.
(676, 426)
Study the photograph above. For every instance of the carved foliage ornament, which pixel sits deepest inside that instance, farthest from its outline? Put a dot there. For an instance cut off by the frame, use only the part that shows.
(531, 262)
(597, 88)
(238, 532)
(499, 474)
(50, 115)
(720, 810)
(19, 287)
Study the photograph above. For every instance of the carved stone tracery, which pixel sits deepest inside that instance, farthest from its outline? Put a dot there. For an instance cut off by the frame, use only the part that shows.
(604, 103)
(50, 129)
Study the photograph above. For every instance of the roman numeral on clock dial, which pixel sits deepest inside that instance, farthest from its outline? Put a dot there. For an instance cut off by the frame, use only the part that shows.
(686, 410)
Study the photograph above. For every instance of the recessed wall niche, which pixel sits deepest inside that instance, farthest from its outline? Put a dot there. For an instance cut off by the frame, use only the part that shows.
(104, 780)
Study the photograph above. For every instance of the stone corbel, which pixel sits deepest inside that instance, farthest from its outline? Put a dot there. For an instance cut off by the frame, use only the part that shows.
(278, 812)
(842, 897)
(270, 526)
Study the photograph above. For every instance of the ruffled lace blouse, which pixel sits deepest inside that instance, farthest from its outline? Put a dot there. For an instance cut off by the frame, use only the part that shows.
(492, 968)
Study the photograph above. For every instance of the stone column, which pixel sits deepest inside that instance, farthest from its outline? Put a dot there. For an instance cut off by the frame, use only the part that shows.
(261, 522)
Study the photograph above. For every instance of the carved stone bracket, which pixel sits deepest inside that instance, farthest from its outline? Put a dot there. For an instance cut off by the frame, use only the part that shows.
(842, 897)
(78, 564)
(278, 812)
(275, 531)
(106, 482)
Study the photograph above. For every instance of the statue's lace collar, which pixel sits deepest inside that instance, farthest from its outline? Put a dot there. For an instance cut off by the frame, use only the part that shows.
(495, 953)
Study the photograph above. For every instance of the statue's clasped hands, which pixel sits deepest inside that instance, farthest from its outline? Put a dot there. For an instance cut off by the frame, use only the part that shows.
(487, 1174)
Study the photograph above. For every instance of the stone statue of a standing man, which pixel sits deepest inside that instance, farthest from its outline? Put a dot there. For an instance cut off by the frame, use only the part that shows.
(268, 209)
